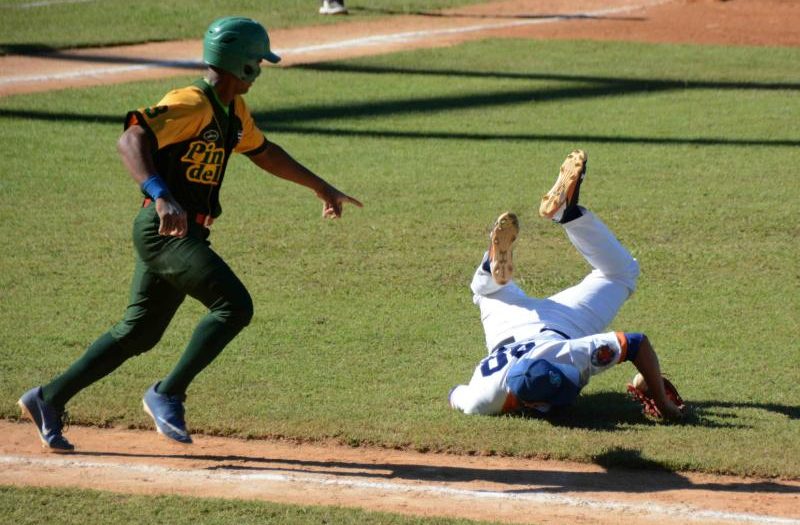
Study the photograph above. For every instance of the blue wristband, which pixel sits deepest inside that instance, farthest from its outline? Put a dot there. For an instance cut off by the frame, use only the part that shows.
(155, 187)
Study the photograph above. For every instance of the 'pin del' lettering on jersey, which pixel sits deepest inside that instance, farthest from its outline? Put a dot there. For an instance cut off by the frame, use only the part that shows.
(206, 161)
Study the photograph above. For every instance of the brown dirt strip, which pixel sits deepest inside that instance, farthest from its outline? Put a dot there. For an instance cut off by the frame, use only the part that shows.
(510, 490)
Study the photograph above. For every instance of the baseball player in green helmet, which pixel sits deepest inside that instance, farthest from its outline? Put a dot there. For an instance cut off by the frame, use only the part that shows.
(177, 152)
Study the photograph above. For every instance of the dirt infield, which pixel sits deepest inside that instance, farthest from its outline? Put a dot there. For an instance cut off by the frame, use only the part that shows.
(489, 488)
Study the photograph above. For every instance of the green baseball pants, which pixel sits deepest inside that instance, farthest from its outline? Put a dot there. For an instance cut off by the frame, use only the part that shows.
(167, 270)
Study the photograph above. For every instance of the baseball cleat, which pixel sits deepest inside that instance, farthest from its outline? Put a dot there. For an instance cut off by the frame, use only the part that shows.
(504, 233)
(49, 421)
(167, 413)
(564, 193)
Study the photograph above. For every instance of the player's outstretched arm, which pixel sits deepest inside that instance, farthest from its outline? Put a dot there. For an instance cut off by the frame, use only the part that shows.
(646, 362)
(137, 156)
(275, 160)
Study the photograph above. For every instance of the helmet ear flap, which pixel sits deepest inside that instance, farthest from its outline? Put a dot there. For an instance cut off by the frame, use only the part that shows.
(250, 72)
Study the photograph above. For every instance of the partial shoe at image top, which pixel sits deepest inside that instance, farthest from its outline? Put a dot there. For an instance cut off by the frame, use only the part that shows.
(333, 7)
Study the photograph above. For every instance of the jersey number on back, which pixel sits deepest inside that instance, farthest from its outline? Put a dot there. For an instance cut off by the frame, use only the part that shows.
(499, 358)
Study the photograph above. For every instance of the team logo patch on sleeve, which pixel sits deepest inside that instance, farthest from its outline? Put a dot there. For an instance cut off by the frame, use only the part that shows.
(602, 356)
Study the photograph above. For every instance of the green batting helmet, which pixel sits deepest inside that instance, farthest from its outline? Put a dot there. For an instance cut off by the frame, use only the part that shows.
(237, 44)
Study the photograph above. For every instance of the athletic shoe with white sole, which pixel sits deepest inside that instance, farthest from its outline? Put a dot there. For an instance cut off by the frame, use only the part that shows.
(49, 421)
(167, 413)
(332, 7)
(564, 194)
(504, 233)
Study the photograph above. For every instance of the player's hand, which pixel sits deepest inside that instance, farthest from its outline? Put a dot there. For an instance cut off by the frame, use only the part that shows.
(333, 200)
(670, 410)
(172, 218)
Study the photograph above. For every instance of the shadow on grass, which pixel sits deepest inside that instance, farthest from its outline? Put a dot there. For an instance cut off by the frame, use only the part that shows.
(531, 137)
(649, 83)
(294, 120)
(312, 119)
(644, 84)
(272, 125)
(648, 476)
(610, 411)
(709, 406)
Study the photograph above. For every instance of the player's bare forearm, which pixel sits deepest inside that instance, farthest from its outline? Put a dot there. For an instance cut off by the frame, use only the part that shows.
(646, 363)
(275, 160)
(137, 155)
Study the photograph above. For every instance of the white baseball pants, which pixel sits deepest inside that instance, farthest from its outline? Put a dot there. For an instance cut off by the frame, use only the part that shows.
(584, 309)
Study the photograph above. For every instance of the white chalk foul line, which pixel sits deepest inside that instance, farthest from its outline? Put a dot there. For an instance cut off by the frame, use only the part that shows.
(354, 43)
(533, 496)
(101, 72)
(411, 36)
(44, 3)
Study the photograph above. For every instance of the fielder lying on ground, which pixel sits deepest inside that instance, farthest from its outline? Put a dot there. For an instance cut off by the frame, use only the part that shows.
(542, 352)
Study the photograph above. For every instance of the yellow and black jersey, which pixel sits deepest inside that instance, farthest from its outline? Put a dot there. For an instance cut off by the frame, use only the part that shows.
(193, 136)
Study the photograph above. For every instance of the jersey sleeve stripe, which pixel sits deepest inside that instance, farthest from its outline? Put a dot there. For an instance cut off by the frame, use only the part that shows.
(511, 404)
(257, 150)
(623, 346)
(134, 118)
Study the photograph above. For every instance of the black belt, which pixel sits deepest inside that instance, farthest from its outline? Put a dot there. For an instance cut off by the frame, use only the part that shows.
(559, 332)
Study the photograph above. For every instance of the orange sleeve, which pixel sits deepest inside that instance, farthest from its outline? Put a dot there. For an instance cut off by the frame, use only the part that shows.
(623, 346)
(512, 404)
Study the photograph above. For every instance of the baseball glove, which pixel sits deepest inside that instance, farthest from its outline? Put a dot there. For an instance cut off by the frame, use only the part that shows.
(649, 407)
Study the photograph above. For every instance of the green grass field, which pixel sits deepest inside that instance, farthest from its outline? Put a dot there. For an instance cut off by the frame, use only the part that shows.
(79, 507)
(363, 325)
(28, 27)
